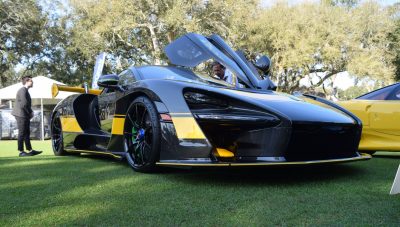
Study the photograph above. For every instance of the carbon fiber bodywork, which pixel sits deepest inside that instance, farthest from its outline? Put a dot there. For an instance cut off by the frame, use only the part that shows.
(252, 126)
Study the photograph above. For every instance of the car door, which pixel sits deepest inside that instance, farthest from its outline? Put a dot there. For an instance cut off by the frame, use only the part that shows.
(384, 115)
(107, 104)
(107, 109)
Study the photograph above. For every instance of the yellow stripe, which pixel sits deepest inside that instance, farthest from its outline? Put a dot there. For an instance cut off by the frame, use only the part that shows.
(70, 124)
(92, 152)
(223, 153)
(187, 128)
(118, 126)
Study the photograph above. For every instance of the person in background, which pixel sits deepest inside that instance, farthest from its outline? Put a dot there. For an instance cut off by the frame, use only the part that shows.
(23, 114)
(224, 74)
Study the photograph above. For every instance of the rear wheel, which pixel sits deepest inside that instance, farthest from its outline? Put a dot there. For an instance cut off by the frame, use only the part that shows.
(142, 135)
(56, 136)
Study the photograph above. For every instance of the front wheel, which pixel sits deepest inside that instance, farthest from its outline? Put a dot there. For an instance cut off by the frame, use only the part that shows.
(142, 135)
(56, 136)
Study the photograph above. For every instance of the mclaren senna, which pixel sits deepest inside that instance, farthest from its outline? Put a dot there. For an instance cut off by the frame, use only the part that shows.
(176, 116)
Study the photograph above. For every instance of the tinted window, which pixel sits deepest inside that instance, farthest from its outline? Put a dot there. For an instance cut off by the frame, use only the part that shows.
(180, 74)
(381, 94)
(184, 52)
(126, 78)
(395, 95)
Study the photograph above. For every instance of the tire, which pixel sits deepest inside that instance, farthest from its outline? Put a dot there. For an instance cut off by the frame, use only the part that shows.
(56, 136)
(142, 135)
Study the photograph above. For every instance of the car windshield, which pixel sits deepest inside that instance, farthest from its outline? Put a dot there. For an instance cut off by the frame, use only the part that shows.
(380, 94)
(180, 74)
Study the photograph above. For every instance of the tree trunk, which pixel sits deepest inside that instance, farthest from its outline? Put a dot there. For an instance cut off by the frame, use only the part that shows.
(156, 45)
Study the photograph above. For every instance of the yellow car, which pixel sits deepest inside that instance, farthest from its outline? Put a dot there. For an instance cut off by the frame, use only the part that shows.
(379, 112)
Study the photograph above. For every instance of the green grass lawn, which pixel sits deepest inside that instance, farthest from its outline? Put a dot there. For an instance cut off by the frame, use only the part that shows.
(88, 190)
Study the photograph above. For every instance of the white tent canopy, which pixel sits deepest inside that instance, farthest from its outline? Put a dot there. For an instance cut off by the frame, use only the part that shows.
(41, 90)
(40, 93)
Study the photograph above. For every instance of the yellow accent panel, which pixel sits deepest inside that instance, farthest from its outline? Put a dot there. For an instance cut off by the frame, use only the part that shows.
(70, 124)
(92, 152)
(187, 128)
(224, 153)
(118, 126)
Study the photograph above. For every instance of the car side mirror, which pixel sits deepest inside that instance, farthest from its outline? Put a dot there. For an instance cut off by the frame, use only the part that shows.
(263, 64)
(109, 81)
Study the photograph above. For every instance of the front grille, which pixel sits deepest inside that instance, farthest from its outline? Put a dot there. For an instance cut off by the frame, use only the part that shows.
(323, 141)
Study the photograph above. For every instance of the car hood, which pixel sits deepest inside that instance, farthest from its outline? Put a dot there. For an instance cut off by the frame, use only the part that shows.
(293, 108)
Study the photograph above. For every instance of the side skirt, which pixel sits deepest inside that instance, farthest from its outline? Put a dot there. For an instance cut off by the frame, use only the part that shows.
(117, 155)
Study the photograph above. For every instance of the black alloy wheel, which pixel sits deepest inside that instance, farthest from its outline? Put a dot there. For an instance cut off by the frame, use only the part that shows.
(142, 135)
(56, 135)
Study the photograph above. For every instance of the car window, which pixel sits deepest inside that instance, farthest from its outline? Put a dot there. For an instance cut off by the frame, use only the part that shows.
(381, 94)
(397, 95)
(180, 74)
(126, 78)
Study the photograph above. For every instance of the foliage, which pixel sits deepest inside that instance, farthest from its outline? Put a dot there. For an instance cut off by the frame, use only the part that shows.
(325, 38)
(352, 92)
(395, 38)
(62, 38)
(135, 32)
(21, 40)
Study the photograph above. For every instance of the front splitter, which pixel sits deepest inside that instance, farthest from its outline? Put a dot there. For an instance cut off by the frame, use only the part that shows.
(362, 156)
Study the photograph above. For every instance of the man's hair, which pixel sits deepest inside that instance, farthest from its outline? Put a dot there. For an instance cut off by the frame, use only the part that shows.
(25, 79)
(217, 63)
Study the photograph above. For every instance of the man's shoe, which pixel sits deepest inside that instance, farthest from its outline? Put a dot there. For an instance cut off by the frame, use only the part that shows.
(24, 154)
(33, 152)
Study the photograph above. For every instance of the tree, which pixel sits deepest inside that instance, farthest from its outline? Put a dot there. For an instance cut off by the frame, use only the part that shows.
(324, 40)
(394, 37)
(134, 32)
(21, 24)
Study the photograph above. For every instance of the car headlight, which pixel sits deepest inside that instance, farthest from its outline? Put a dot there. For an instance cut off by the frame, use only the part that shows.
(194, 98)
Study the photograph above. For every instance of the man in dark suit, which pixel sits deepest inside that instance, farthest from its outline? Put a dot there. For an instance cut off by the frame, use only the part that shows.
(23, 113)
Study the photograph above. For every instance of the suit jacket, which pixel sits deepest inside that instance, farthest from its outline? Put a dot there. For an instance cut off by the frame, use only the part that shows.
(23, 104)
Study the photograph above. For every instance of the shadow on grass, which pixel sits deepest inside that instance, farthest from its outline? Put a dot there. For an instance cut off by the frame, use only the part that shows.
(388, 156)
(252, 175)
(285, 175)
(265, 175)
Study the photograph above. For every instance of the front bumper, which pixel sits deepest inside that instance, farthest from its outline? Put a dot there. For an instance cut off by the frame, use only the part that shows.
(205, 163)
